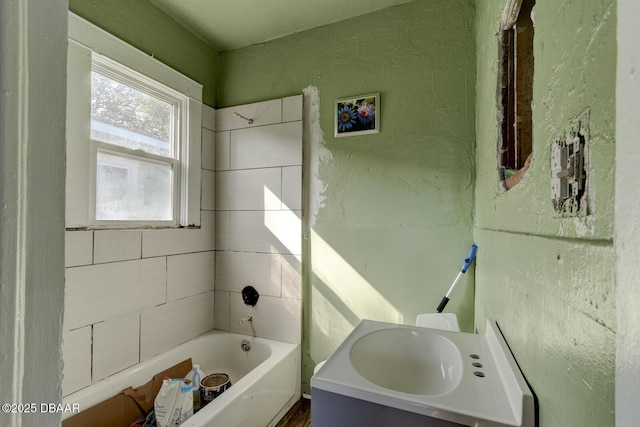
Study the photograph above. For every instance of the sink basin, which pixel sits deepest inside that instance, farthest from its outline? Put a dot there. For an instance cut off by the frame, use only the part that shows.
(408, 360)
(421, 376)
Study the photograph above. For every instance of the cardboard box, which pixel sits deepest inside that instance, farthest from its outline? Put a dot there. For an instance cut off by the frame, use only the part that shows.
(125, 408)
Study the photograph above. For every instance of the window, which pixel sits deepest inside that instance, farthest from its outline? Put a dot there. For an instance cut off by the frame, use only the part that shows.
(135, 148)
(133, 136)
(516, 90)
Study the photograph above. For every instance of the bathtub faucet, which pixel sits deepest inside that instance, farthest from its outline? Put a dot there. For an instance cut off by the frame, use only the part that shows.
(246, 319)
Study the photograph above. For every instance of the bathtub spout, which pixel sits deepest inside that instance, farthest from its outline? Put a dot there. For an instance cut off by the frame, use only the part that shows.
(246, 319)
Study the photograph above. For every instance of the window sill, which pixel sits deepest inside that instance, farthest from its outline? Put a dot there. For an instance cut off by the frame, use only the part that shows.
(134, 228)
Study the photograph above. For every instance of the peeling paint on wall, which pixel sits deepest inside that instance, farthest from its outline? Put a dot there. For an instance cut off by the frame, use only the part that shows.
(316, 154)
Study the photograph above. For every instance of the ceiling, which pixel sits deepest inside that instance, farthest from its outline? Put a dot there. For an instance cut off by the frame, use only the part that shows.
(231, 24)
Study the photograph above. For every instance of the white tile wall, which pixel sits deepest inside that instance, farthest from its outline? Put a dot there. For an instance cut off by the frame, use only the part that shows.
(258, 226)
(235, 270)
(223, 150)
(267, 146)
(223, 233)
(116, 345)
(134, 294)
(113, 297)
(189, 274)
(259, 231)
(78, 248)
(208, 202)
(245, 231)
(176, 241)
(222, 309)
(275, 318)
(99, 292)
(292, 108)
(292, 188)
(284, 230)
(76, 347)
(165, 326)
(291, 276)
(245, 189)
(208, 149)
(116, 245)
(262, 113)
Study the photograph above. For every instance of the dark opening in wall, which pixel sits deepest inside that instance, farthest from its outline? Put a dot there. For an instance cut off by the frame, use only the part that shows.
(515, 91)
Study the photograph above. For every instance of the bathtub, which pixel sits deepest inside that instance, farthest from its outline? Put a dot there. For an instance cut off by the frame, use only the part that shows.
(266, 379)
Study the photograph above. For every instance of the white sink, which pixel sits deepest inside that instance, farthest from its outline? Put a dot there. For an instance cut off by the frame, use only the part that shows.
(456, 377)
(408, 360)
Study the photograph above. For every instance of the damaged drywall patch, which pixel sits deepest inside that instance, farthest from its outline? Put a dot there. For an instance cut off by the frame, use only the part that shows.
(315, 154)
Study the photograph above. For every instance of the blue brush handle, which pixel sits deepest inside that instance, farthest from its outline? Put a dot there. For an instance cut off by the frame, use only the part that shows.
(469, 259)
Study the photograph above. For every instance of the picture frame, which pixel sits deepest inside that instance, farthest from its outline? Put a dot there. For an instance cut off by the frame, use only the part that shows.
(357, 115)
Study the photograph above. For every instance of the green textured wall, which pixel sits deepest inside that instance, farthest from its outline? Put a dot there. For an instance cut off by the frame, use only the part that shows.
(396, 219)
(549, 282)
(146, 27)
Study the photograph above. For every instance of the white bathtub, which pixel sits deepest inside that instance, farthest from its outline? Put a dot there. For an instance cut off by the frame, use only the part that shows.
(266, 379)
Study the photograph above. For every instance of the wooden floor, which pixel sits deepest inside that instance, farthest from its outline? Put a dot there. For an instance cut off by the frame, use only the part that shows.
(298, 416)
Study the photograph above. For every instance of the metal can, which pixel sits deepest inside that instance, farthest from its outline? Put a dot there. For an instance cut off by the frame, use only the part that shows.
(213, 386)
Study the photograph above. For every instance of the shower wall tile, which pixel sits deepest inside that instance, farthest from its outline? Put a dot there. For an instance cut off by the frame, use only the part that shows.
(116, 345)
(284, 230)
(241, 231)
(222, 310)
(267, 146)
(258, 222)
(189, 274)
(165, 326)
(262, 113)
(222, 236)
(292, 108)
(235, 270)
(76, 348)
(113, 297)
(292, 276)
(274, 318)
(116, 245)
(260, 231)
(223, 150)
(208, 200)
(292, 188)
(100, 292)
(78, 248)
(208, 149)
(171, 241)
(251, 189)
(179, 241)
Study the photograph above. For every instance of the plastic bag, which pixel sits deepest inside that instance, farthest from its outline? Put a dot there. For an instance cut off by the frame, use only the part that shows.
(174, 402)
(148, 420)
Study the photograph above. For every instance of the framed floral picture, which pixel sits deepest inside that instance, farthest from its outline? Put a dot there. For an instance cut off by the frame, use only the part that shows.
(357, 115)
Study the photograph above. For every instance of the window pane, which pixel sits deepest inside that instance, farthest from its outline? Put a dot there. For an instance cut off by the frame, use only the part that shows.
(130, 189)
(124, 116)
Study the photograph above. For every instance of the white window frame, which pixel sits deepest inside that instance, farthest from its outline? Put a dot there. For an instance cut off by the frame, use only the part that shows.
(89, 46)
